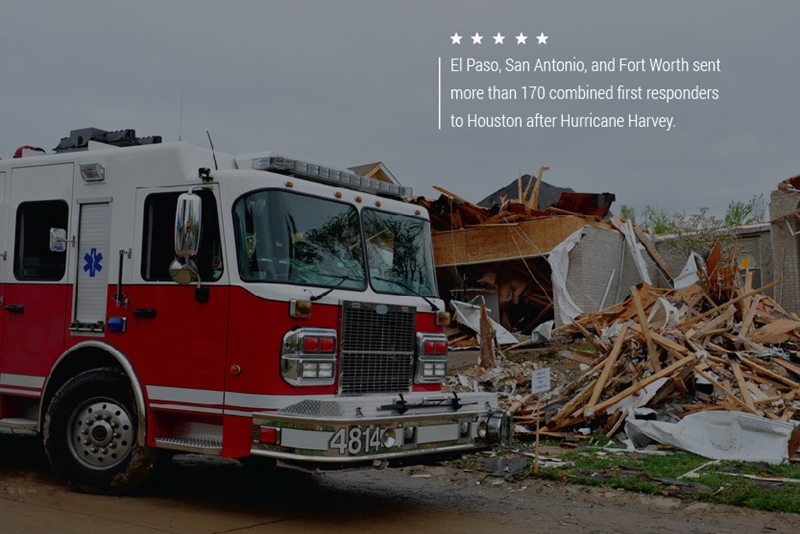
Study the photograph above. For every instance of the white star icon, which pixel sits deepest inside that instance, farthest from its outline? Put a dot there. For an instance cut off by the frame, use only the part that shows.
(498, 39)
(456, 38)
(521, 38)
(476, 39)
(542, 38)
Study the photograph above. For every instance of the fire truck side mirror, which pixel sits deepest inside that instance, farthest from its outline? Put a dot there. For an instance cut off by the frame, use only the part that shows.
(188, 221)
(58, 240)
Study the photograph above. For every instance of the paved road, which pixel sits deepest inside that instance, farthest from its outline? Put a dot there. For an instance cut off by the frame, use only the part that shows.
(203, 496)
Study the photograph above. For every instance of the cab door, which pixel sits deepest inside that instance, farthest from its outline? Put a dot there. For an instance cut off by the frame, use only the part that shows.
(36, 294)
(177, 333)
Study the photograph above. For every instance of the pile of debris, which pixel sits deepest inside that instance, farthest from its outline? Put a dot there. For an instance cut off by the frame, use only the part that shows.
(715, 345)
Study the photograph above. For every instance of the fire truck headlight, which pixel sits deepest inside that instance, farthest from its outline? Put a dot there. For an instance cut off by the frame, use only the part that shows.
(431, 358)
(308, 357)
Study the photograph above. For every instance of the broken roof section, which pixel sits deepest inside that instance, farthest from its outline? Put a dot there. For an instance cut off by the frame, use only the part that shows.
(502, 249)
(501, 227)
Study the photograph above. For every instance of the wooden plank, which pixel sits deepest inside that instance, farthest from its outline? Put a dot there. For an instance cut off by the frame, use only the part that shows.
(743, 389)
(659, 260)
(747, 322)
(533, 202)
(775, 332)
(620, 419)
(787, 365)
(602, 407)
(716, 309)
(570, 406)
(661, 340)
(713, 324)
(728, 393)
(651, 348)
(766, 372)
(449, 194)
(611, 361)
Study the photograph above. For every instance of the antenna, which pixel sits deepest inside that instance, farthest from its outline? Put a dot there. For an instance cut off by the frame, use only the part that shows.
(180, 118)
(210, 142)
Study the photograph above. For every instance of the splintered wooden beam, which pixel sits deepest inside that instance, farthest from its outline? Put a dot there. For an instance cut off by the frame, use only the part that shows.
(661, 340)
(728, 393)
(766, 372)
(743, 389)
(449, 194)
(533, 202)
(747, 322)
(611, 361)
(603, 406)
(732, 301)
(712, 324)
(787, 365)
(570, 406)
(651, 348)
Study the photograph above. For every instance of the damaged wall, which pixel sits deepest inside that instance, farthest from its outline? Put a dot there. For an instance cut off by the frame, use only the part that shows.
(754, 251)
(785, 250)
(598, 255)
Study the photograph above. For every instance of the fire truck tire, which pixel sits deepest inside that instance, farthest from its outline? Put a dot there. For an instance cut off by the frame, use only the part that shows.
(90, 434)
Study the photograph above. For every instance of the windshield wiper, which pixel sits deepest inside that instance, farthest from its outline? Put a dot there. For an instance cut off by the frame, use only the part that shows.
(404, 286)
(343, 279)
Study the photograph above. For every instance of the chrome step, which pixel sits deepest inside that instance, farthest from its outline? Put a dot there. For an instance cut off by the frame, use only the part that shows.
(199, 446)
(21, 423)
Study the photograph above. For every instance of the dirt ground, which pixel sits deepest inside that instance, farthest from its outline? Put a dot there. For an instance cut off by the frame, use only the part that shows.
(211, 496)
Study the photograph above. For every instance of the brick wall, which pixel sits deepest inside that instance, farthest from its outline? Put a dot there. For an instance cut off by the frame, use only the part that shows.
(591, 264)
(785, 259)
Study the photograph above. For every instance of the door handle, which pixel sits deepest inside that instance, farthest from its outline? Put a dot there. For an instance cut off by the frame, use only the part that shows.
(15, 308)
(144, 313)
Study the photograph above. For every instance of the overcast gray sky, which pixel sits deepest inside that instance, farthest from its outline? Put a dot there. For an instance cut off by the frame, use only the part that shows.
(351, 82)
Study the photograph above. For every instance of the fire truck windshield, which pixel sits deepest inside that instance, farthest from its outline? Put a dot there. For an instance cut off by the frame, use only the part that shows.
(287, 237)
(283, 236)
(399, 253)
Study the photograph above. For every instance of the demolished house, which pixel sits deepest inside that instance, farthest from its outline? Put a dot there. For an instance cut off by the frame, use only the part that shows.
(532, 252)
(665, 363)
(711, 366)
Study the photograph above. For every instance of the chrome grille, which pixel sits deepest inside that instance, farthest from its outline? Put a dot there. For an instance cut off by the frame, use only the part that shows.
(377, 348)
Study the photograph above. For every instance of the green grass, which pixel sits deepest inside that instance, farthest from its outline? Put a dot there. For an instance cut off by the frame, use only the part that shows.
(639, 472)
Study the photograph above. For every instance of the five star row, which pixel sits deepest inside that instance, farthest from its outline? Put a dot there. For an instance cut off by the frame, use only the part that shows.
(498, 39)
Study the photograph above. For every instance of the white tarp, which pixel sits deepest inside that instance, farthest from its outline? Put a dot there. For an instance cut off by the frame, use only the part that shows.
(559, 267)
(721, 435)
(635, 247)
(470, 315)
(688, 275)
(542, 333)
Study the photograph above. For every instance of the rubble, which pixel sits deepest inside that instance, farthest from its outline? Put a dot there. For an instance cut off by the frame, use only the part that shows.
(715, 345)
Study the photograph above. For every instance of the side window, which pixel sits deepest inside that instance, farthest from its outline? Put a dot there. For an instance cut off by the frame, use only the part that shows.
(33, 259)
(158, 241)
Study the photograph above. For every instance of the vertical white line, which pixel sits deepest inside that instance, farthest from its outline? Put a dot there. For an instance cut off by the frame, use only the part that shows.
(440, 92)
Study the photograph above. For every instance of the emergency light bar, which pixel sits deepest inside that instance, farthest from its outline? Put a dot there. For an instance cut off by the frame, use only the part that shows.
(330, 176)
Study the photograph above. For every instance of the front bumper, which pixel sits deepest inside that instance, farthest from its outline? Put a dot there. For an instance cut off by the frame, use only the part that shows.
(351, 430)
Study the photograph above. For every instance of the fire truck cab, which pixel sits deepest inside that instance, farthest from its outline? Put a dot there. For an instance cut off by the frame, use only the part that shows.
(160, 296)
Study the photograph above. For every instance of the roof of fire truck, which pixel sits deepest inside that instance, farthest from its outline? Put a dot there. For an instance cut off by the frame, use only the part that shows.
(91, 139)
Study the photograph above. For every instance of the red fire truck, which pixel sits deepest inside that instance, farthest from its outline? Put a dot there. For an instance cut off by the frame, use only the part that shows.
(161, 296)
